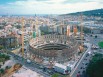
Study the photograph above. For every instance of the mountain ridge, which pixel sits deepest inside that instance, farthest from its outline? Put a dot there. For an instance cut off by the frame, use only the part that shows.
(96, 12)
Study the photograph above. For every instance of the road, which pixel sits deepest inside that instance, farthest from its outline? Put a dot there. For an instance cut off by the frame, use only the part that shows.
(33, 66)
(81, 66)
(83, 62)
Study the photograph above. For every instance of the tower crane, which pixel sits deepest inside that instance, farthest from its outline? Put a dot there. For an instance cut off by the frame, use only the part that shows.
(81, 33)
(32, 28)
(22, 37)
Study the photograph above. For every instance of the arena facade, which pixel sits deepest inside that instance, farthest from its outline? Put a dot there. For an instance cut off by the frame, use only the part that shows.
(52, 47)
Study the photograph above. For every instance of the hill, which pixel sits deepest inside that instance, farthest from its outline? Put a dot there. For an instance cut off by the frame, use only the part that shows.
(97, 12)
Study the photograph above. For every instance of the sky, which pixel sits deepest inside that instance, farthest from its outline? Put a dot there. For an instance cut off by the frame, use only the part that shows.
(48, 6)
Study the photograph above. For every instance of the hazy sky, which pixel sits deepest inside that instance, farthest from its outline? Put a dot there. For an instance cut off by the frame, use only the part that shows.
(47, 6)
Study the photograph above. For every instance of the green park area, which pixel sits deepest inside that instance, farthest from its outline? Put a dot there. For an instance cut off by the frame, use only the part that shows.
(95, 67)
(100, 44)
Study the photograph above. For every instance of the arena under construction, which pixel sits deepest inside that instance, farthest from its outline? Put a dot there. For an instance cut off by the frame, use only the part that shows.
(52, 47)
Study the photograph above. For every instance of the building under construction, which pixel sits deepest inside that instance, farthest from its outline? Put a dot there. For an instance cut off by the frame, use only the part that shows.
(59, 48)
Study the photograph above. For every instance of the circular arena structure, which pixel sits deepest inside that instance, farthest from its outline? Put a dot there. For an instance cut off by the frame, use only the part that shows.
(59, 48)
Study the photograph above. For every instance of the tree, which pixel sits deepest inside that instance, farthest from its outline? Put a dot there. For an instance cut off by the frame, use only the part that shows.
(0, 65)
(2, 71)
(95, 36)
(1, 47)
(95, 68)
(55, 75)
(42, 33)
(4, 57)
(7, 67)
(18, 26)
(100, 44)
(7, 57)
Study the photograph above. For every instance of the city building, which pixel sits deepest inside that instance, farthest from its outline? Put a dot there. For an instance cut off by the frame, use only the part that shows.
(60, 68)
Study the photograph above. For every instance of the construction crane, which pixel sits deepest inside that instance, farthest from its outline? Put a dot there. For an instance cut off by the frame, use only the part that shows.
(81, 34)
(81, 29)
(32, 28)
(22, 37)
(36, 24)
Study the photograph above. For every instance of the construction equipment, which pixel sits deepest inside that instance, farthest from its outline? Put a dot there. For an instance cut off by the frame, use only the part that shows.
(81, 34)
(32, 28)
(22, 37)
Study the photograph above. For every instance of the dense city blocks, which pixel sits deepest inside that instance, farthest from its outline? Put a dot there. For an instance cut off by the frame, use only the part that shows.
(51, 38)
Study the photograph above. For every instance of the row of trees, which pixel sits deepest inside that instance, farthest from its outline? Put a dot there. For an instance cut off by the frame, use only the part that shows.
(9, 69)
(3, 71)
(3, 58)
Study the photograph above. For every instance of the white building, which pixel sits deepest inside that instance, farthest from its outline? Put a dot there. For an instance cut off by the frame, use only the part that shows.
(60, 68)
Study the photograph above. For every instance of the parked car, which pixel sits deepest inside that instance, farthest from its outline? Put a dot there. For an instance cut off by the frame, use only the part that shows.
(28, 61)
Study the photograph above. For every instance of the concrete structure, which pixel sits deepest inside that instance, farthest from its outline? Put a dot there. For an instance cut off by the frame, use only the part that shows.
(53, 47)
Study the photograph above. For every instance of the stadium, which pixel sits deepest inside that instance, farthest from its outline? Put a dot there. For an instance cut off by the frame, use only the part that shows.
(52, 47)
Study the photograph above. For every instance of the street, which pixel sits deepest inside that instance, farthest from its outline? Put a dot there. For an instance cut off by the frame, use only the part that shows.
(79, 70)
(81, 66)
(33, 66)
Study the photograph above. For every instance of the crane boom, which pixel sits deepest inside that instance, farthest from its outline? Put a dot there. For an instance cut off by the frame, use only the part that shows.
(81, 30)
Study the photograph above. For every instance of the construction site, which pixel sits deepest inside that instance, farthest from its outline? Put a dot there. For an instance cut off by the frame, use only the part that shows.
(57, 48)
(49, 50)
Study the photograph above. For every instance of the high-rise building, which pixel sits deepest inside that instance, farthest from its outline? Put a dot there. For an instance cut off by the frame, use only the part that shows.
(68, 30)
